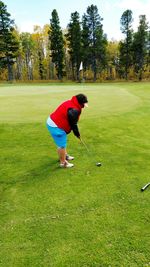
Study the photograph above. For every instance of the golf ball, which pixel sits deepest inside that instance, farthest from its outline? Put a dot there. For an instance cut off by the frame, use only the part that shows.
(98, 164)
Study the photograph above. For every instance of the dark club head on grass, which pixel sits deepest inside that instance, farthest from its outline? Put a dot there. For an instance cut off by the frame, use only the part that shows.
(145, 187)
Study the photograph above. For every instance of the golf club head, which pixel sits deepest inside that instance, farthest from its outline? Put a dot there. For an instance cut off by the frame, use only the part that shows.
(145, 187)
(98, 164)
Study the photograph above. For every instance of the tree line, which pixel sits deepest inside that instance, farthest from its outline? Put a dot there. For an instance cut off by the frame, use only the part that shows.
(81, 52)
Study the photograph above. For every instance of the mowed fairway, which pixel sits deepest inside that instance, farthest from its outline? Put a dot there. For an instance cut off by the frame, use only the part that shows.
(87, 216)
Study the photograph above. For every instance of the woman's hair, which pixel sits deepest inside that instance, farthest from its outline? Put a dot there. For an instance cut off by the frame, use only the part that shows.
(81, 99)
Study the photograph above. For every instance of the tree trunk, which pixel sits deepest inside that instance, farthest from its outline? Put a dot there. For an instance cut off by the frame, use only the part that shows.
(94, 69)
(10, 71)
(19, 69)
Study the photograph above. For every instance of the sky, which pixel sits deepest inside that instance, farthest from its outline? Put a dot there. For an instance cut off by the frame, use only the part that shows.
(28, 13)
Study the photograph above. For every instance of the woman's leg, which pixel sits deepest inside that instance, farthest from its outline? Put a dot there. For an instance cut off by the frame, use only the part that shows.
(62, 154)
(60, 138)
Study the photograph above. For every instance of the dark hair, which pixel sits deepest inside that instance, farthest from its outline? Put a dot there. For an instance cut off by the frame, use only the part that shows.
(81, 99)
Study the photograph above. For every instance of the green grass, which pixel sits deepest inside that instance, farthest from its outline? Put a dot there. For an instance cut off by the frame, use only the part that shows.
(85, 216)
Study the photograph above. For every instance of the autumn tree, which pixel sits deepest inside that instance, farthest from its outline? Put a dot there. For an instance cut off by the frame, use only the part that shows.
(47, 59)
(28, 46)
(112, 59)
(39, 50)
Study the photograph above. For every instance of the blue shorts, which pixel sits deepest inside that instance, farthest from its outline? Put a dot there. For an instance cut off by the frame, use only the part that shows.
(59, 136)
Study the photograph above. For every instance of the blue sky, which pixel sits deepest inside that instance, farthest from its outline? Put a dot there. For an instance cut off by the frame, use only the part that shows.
(28, 13)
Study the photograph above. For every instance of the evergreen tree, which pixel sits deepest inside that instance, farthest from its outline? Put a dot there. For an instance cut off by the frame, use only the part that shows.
(56, 44)
(94, 41)
(8, 43)
(141, 47)
(86, 43)
(74, 43)
(126, 45)
(148, 52)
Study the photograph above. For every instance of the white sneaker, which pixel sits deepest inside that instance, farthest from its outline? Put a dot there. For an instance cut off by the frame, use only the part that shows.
(68, 157)
(66, 165)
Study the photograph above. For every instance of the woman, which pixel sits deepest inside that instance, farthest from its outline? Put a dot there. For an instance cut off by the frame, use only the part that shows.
(64, 120)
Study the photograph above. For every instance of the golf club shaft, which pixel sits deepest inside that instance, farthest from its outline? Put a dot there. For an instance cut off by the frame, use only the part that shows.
(85, 145)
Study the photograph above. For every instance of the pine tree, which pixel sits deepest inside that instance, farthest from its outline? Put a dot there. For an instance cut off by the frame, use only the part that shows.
(74, 43)
(94, 41)
(141, 47)
(8, 43)
(125, 47)
(56, 44)
(86, 54)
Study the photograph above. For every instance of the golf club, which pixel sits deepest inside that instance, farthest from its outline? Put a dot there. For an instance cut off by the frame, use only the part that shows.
(144, 187)
(98, 164)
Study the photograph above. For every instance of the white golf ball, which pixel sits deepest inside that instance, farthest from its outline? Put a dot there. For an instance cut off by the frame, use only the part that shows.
(98, 164)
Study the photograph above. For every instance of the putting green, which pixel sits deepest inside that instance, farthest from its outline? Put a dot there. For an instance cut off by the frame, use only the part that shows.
(32, 103)
(83, 216)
